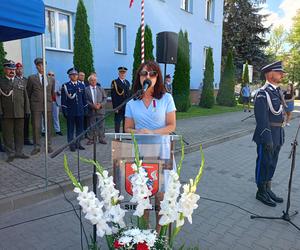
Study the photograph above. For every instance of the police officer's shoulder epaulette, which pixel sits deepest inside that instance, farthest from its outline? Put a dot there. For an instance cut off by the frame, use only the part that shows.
(261, 93)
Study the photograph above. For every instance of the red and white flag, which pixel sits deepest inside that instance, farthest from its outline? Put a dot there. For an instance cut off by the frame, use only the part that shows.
(130, 4)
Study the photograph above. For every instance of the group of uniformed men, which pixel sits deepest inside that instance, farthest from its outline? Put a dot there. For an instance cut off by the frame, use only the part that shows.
(21, 98)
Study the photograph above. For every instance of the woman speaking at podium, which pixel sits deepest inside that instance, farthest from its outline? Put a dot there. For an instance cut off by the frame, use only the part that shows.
(154, 111)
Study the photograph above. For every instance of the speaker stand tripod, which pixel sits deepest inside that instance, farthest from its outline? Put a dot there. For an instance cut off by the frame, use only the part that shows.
(286, 216)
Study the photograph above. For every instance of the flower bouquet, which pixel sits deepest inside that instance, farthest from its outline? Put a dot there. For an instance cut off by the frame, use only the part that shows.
(106, 213)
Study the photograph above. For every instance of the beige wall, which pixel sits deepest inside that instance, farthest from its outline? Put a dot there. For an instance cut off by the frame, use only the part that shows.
(13, 50)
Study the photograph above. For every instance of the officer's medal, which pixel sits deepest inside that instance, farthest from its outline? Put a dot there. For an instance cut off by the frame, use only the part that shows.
(154, 105)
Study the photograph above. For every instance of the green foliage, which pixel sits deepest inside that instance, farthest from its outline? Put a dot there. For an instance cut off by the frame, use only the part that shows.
(225, 95)
(207, 99)
(243, 32)
(292, 62)
(83, 51)
(137, 49)
(277, 41)
(181, 80)
(2, 58)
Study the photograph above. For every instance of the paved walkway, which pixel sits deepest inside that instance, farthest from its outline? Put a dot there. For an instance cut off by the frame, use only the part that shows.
(228, 177)
(16, 182)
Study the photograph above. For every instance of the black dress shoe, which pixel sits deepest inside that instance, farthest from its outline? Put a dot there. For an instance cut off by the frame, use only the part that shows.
(274, 197)
(1, 149)
(28, 142)
(72, 148)
(43, 133)
(81, 147)
(59, 133)
(10, 158)
(22, 156)
(35, 151)
(264, 198)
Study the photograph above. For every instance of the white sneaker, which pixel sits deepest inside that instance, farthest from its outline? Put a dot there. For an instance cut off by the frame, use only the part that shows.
(288, 124)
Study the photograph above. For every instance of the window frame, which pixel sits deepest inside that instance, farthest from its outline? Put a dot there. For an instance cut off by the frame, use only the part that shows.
(190, 6)
(209, 18)
(205, 50)
(123, 38)
(57, 29)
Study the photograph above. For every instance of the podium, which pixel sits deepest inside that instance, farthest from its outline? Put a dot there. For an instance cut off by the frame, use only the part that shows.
(157, 155)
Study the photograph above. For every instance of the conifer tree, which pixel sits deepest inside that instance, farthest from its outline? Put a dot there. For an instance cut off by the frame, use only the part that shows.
(244, 33)
(148, 46)
(181, 80)
(207, 96)
(245, 78)
(83, 51)
(2, 58)
(225, 95)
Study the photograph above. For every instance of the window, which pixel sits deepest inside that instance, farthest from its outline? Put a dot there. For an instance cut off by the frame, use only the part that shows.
(187, 5)
(120, 38)
(209, 10)
(58, 30)
(204, 56)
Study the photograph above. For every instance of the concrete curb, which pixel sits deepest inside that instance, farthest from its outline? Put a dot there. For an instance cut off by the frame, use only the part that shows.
(21, 200)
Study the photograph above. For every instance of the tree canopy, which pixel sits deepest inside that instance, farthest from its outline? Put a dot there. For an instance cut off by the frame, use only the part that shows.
(243, 32)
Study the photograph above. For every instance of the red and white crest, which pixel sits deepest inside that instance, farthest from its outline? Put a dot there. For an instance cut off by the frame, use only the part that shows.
(153, 175)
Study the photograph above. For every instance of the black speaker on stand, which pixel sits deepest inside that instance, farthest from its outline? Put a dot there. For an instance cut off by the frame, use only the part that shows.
(166, 48)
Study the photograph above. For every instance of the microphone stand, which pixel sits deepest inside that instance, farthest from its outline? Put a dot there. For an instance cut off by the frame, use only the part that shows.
(78, 138)
(286, 216)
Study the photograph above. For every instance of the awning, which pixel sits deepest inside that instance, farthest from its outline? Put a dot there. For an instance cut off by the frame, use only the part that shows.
(21, 18)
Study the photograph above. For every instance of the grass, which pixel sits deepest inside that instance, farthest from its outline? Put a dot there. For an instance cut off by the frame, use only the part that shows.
(196, 111)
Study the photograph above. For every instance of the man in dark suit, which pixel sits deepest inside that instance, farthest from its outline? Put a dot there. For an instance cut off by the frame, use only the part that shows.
(73, 105)
(96, 100)
(19, 75)
(269, 133)
(35, 90)
(120, 91)
(14, 106)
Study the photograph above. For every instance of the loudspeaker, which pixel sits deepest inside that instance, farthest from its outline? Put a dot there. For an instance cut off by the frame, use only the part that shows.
(166, 47)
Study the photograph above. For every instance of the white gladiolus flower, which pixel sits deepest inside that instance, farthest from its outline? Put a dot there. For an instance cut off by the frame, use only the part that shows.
(110, 195)
(169, 205)
(188, 202)
(140, 192)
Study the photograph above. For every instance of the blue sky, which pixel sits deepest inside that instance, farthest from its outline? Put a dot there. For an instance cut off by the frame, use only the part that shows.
(281, 12)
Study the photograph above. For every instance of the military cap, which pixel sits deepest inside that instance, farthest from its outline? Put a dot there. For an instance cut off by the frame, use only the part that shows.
(122, 68)
(19, 65)
(276, 66)
(38, 60)
(9, 64)
(168, 76)
(72, 71)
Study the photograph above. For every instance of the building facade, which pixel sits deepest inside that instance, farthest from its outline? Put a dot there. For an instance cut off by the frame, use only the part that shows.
(113, 27)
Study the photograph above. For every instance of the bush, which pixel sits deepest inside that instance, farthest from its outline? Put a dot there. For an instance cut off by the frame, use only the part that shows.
(181, 80)
(207, 96)
(226, 95)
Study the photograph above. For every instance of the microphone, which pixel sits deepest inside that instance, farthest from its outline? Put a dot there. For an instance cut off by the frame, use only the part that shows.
(146, 85)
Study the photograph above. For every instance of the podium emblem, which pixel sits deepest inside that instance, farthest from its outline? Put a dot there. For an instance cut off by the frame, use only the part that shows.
(153, 175)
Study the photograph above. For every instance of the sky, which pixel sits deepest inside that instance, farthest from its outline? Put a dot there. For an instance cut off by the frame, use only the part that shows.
(281, 12)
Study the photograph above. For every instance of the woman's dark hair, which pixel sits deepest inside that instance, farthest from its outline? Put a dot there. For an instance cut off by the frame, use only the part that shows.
(159, 87)
(292, 88)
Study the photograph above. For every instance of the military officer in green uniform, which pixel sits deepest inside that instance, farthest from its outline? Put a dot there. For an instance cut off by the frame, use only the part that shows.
(35, 90)
(14, 107)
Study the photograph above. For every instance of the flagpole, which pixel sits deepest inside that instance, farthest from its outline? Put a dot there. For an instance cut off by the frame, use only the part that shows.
(143, 32)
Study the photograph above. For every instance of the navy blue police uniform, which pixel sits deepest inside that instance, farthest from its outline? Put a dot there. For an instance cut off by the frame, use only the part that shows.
(120, 91)
(74, 106)
(268, 135)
